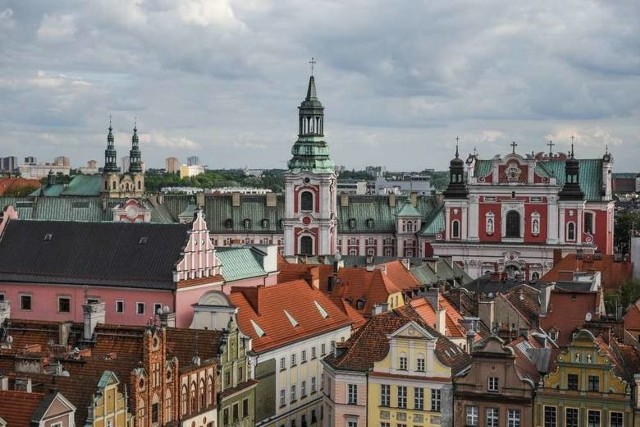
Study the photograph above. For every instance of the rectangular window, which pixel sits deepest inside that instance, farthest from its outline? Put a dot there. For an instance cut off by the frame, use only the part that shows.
(240, 374)
(293, 393)
(293, 360)
(139, 308)
(64, 305)
(245, 408)
(420, 364)
(593, 419)
(303, 356)
(385, 424)
(402, 396)
(323, 349)
(283, 363)
(1, 296)
(282, 398)
(92, 301)
(156, 308)
(303, 389)
(615, 419)
(225, 416)
(352, 423)
(594, 383)
(571, 417)
(418, 398)
(25, 302)
(385, 395)
(492, 384)
(550, 416)
(513, 418)
(472, 415)
(352, 394)
(403, 363)
(492, 417)
(436, 399)
(572, 381)
(313, 352)
(119, 306)
(313, 385)
(236, 412)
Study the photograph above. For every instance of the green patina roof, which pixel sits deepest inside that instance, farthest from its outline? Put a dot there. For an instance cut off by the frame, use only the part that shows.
(408, 210)
(48, 190)
(83, 185)
(376, 209)
(60, 208)
(590, 174)
(240, 263)
(434, 223)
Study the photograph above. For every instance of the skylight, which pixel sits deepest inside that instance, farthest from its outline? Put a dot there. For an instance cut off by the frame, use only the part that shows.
(257, 328)
(293, 321)
(322, 311)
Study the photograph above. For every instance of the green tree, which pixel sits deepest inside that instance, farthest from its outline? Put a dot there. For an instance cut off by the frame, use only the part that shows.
(623, 226)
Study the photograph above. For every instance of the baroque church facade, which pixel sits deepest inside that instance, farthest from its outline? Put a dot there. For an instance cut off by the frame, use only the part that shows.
(511, 213)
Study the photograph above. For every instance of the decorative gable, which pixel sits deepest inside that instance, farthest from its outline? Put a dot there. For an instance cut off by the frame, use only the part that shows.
(411, 330)
(199, 256)
(131, 211)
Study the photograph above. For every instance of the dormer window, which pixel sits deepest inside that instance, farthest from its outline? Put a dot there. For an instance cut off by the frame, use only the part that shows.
(265, 223)
(246, 223)
(369, 222)
(47, 237)
(352, 223)
(228, 223)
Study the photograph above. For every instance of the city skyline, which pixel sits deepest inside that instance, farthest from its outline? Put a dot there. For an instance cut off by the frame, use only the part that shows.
(221, 80)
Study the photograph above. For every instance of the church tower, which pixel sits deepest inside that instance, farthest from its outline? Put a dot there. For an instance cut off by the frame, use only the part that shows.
(135, 165)
(310, 222)
(110, 180)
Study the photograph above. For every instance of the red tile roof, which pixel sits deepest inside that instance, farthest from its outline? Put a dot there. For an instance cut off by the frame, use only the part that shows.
(568, 311)
(17, 407)
(8, 184)
(454, 328)
(614, 273)
(274, 308)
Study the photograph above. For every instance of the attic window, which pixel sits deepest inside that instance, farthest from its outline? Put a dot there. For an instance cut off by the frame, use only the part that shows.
(265, 223)
(228, 223)
(352, 223)
(369, 222)
(143, 240)
(47, 237)
(257, 328)
(293, 321)
(246, 223)
(322, 311)
(360, 304)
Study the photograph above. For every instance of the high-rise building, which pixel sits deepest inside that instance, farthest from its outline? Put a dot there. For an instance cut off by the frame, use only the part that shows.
(62, 161)
(172, 165)
(193, 160)
(8, 164)
(30, 160)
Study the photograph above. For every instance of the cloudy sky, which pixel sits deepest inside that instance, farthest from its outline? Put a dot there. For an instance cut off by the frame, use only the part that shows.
(222, 79)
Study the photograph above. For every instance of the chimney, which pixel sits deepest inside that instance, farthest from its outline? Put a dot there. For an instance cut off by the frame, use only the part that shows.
(344, 200)
(557, 256)
(470, 324)
(4, 383)
(167, 317)
(392, 200)
(379, 308)
(545, 295)
(441, 321)
(407, 263)
(5, 311)
(200, 199)
(93, 314)
(235, 199)
(63, 333)
(414, 199)
(271, 200)
(487, 313)
(313, 277)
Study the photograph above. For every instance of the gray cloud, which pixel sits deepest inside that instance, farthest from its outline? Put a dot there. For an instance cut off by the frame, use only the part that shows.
(399, 80)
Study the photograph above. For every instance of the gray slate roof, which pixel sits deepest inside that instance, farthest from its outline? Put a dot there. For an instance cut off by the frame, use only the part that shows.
(87, 253)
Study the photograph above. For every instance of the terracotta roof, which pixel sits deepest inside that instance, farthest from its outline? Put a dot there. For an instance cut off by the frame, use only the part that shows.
(567, 312)
(525, 365)
(119, 254)
(17, 407)
(398, 273)
(632, 316)
(454, 328)
(614, 273)
(284, 313)
(525, 300)
(370, 343)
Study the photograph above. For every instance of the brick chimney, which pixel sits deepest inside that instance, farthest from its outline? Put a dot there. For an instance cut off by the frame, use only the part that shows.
(94, 313)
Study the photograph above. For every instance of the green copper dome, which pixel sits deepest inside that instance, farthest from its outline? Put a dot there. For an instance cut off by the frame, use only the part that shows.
(310, 152)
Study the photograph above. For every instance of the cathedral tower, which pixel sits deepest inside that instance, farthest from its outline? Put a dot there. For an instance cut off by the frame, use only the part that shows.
(310, 223)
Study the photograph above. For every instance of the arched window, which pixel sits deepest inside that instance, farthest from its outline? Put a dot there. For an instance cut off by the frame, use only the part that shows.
(535, 223)
(571, 231)
(306, 245)
(193, 397)
(588, 222)
(306, 201)
(168, 415)
(455, 229)
(203, 395)
(210, 390)
(513, 224)
(139, 185)
(184, 399)
(113, 185)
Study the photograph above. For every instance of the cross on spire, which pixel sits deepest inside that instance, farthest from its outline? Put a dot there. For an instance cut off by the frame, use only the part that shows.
(513, 146)
(551, 144)
(457, 139)
(313, 63)
(572, 140)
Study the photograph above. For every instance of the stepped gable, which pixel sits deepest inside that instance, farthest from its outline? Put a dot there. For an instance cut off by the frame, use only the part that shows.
(262, 313)
(115, 254)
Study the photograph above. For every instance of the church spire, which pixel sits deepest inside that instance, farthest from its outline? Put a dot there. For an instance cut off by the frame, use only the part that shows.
(310, 152)
(135, 156)
(110, 155)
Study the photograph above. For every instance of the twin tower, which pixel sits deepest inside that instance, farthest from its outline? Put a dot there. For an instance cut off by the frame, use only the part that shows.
(129, 183)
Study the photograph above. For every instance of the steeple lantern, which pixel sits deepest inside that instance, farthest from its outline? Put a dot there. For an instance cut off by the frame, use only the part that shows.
(110, 155)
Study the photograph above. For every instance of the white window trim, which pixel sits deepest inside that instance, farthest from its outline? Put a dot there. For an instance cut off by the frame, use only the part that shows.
(144, 308)
(116, 306)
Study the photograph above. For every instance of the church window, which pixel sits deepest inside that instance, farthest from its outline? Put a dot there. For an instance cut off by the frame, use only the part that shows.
(265, 223)
(588, 222)
(246, 223)
(113, 185)
(571, 231)
(306, 201)
(306, 245)
(139, 185)
(490, 223)
(513, 224)
(455, 229)
(106, 185)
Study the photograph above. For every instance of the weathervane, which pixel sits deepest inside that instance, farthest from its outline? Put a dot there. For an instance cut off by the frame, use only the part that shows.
(312, 62)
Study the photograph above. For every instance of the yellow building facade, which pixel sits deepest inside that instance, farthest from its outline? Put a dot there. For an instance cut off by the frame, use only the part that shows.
(109, 408)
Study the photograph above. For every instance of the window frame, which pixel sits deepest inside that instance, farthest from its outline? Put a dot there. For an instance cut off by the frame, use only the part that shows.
(493, 384)
(472, 415)
(436, 400)
(513, 418)
(402, 396)
(492, 417)
(26, 298)
(140, 304)
(385, 395)
(68, 300)
(352, 394)
(418, 398)
(121, 303)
